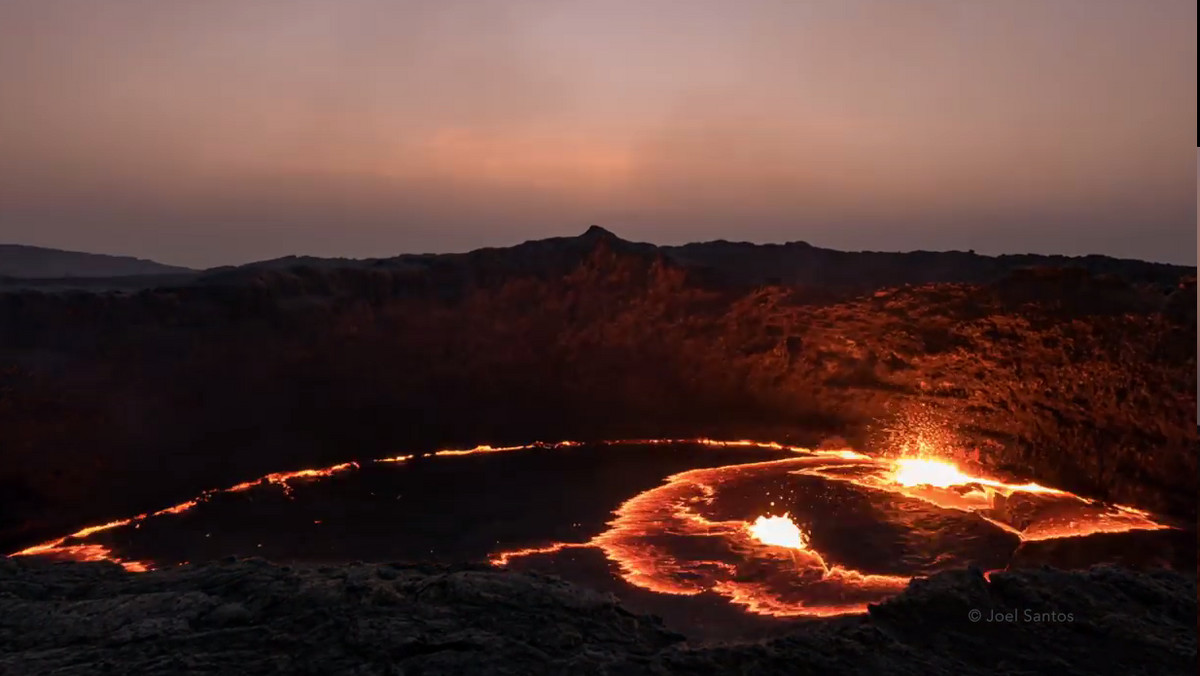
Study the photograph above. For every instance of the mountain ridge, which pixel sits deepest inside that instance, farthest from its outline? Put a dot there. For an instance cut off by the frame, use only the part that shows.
(793, 263)
(23, 261)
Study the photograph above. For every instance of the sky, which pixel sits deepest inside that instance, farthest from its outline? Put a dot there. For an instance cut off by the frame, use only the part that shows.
(225, 131)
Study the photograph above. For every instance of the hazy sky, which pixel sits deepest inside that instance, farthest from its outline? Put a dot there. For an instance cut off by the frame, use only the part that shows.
(201, 132)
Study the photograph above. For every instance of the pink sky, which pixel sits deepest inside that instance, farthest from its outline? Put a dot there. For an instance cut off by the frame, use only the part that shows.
(202, 133)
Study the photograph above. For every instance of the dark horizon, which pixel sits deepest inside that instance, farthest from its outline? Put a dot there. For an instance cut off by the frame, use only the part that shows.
(578, 233)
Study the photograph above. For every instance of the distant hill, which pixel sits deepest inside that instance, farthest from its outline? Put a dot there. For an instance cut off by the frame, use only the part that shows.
(796, 264)
(34, 262)
(724, 263)
(801, 264)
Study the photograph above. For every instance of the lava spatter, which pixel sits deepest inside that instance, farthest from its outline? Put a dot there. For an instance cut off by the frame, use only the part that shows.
(1053, 513)
(780, 531)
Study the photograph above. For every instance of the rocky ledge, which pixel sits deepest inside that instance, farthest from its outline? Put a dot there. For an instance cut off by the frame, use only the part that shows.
(254, 617)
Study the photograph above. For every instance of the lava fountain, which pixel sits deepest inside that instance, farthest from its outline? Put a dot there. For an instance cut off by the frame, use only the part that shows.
(928, 472)
(779, 531)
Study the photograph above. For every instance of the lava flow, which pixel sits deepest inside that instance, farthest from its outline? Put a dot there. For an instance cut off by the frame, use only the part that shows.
(70, 547)
(666, 540)
(944, 485)
(710, 531)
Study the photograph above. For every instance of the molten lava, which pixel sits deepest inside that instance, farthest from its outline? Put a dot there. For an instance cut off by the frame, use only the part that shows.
(676, 538)
(779, 531)
(71, 548)
(663, 541)
(926, 472)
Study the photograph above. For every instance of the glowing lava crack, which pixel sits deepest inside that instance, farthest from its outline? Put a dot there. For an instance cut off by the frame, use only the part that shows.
(662, 541)
(680, 538)
(666, 540)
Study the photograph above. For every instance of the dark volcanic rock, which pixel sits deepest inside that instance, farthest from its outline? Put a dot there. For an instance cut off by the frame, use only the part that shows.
(253, 617)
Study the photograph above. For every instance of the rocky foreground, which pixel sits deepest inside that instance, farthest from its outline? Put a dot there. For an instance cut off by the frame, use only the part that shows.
(254, 617)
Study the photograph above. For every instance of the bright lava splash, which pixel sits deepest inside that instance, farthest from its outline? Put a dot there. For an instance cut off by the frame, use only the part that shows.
(780, 531)
(677, 538)
(923, 471)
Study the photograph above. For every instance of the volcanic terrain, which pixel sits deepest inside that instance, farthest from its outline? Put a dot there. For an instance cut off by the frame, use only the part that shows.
(913, 414)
